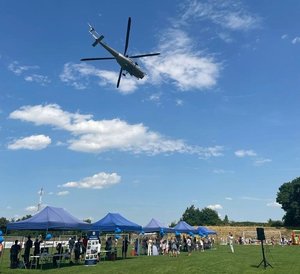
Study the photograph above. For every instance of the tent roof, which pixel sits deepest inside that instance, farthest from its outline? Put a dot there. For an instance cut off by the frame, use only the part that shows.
(206, 231)
(184, 227)
(156, 226)
(112, 221)
(50, 218)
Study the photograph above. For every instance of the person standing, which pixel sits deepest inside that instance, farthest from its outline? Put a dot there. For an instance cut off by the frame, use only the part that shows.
(37, 246)
(71, 244)
(136, 247)
(201, 243)
(125, 243)
(189, 245)
(174, 247)
(108, 248)
(28, 246)
(37, 250)
(230, 241)
(14, 254)
(84, 243)
(57, 255)
(1, 248)
(150, 243)
(78, 250)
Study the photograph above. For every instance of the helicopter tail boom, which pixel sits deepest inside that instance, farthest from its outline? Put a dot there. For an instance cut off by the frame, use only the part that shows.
(97, 41)
(95, 34)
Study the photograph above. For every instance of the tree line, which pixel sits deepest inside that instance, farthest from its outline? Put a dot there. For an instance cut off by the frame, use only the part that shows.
(207, 216)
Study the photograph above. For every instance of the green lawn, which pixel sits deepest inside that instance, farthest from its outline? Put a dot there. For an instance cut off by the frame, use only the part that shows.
(220, 260)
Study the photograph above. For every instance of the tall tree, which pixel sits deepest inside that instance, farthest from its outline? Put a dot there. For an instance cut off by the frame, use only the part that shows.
(191, 215)
(195, 217)
(209, 217)
(173, 223)
(88, 220)
(289, 198)
(226, 220)
(3, 223)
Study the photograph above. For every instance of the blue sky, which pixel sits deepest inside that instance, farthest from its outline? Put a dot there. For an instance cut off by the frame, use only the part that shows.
(215, 122)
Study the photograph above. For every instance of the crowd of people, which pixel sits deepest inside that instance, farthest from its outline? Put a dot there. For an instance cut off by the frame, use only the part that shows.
(76, 248)
(15, 251)
(172, 246)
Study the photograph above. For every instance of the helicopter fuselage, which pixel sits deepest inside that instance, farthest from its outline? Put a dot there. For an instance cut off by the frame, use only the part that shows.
(126, 63)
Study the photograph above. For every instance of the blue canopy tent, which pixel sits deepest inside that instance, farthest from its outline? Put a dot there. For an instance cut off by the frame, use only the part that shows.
(205, 231)
(184, 227)
(50, 218)
(157, 226)
(113, 221)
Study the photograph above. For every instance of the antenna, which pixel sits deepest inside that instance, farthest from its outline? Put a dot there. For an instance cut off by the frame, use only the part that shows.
(40, 201)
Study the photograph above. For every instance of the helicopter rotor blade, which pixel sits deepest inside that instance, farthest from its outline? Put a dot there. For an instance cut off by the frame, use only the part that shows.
(119, 79)
(144, 55)
(94, 59)
(127, 35)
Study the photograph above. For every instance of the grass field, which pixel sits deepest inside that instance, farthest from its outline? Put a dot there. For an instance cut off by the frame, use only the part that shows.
(219, 260)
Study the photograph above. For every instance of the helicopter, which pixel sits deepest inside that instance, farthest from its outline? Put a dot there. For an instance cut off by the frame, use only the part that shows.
(126, 63)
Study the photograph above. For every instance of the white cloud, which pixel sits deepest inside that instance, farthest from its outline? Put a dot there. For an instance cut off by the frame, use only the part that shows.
(253, 198)
(228, 198)
(31, 208)
(50, 114)
(179, 102)
(180, 64)
(260, 162)
(215, 207)
(227, 14)
(40, 79)
(80, 76)
(98, 136)
(155, 97)
(250, 198)
(18, 69)
(244, 153)
(284, 36)
(207, 152)
(250, 153)
(222, 171)
(34, 142)
(238, 21)
(63, 193)
(296, 40)
(273, 204)
(97, 181)
(225, 37)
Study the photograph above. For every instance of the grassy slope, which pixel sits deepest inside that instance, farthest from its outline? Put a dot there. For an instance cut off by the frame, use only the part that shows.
(244, 260)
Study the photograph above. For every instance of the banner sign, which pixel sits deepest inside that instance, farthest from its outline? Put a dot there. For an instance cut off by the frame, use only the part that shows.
(92, 249)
